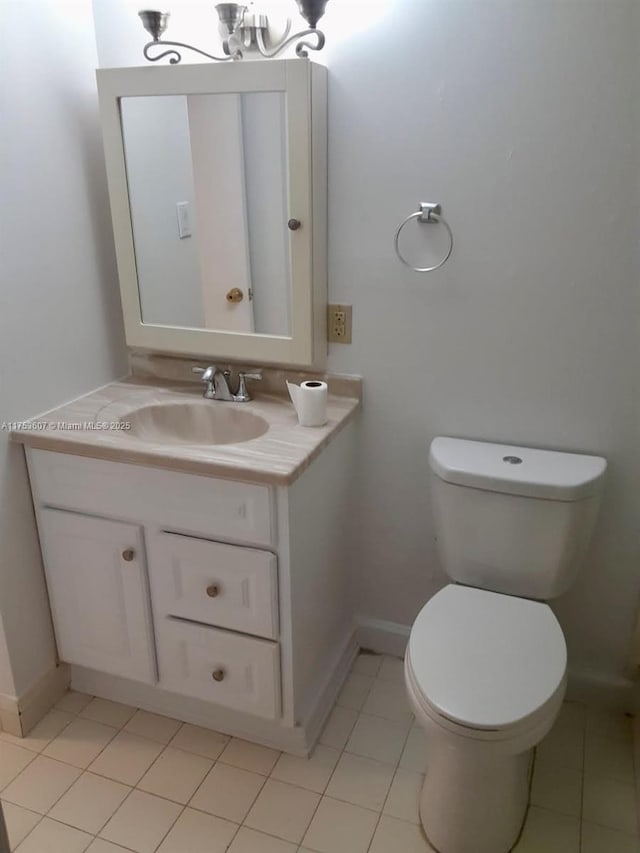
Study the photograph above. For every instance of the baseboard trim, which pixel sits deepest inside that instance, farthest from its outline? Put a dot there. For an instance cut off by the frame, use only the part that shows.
(19, 714)
(10, 715)
(379, 635)
(607, 691)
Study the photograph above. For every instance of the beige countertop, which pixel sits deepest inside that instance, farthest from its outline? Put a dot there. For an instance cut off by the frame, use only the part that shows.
(84, 427)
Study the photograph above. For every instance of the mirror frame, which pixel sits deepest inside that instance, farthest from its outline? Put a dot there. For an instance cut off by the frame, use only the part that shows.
(303, 84)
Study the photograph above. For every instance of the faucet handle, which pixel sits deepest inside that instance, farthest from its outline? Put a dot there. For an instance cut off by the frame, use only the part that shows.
(243, 395)
(208, 375)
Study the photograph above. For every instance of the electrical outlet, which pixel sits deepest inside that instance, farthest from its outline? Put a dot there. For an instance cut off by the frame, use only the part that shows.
(339, 324)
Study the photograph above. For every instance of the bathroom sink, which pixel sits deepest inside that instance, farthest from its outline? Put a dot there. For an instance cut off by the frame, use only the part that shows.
(201, 422)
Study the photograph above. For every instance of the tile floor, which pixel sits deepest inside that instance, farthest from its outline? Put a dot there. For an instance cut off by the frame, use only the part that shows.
(101, 777)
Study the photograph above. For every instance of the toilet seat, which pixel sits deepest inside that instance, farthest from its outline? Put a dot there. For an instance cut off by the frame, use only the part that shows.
(486, 661)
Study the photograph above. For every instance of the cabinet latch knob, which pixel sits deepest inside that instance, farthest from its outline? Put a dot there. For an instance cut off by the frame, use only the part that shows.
(128, 554)
(218, 674)
(235, 295)
(213, 591)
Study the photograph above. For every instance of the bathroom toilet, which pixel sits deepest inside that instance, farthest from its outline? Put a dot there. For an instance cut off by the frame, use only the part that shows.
(485, 667)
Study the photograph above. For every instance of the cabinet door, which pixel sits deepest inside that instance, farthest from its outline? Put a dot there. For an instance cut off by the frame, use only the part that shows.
(98, 591)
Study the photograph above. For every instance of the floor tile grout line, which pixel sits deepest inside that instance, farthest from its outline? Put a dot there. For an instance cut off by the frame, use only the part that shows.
(132, 791)
(244, 825)
(4, 788)
(608, 826)
(68, 763)
(265, 778)
(337, 800)
(322, 795)
(404, 746)
(371, 714)
(94, 772)
(342, 752)
(42, 817)
(233, 837)
(157, 759)
(46, 814)
(82, 772)
(178, 816)
(95, 834)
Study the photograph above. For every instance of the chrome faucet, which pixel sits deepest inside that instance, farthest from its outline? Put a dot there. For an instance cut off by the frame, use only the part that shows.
(218, 384)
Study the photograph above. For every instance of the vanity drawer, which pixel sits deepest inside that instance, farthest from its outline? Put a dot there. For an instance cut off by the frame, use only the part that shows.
(219, 666)
(213, 507)
(222, 585)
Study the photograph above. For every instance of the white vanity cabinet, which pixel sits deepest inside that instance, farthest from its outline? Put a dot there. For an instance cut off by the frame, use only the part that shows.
(220, 602)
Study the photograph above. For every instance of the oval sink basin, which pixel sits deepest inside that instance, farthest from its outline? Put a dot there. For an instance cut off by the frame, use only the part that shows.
(195, 423)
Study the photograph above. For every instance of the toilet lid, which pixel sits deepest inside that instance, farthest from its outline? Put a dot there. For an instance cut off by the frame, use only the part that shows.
(484, 659)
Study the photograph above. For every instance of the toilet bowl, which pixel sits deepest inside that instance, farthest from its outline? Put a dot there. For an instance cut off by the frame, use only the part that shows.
(486, 663)
(485, 674)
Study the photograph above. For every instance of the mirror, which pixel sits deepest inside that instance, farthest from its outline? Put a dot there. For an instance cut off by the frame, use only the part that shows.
(207, 166)
(207, 181)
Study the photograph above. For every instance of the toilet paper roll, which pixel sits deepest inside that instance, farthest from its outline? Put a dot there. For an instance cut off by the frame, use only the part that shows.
(310, 402)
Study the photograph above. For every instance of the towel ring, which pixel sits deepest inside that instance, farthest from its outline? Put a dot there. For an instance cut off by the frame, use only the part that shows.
(429, 213)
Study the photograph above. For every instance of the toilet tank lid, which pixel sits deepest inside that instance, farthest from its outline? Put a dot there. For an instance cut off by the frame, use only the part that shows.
(512, 470)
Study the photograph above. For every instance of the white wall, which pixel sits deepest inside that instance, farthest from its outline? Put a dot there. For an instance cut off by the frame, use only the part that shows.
(520, 117)
(60, 323)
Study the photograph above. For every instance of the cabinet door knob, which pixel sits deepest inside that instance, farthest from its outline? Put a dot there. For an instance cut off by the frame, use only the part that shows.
(213, 591)
(218, 674)
(128, 554)
(235, 295)
(293, 224)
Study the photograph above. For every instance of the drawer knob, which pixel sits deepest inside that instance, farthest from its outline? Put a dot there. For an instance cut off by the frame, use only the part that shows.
(218, 674)
(128, 554)
(213, 591)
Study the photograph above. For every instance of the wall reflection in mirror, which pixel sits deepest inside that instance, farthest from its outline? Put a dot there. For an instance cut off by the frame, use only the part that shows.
(207, 177)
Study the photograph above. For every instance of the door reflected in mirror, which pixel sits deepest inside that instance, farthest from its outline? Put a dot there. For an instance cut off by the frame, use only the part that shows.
(207, 180)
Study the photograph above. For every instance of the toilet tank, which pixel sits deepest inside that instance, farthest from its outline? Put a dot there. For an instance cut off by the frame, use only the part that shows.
(513, 519)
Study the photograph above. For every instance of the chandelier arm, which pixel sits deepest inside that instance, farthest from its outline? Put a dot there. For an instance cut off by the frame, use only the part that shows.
(266, 52)
(175, 56)
(300, 48)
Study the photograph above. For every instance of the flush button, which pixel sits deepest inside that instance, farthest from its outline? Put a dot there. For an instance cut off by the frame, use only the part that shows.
(512, 460)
